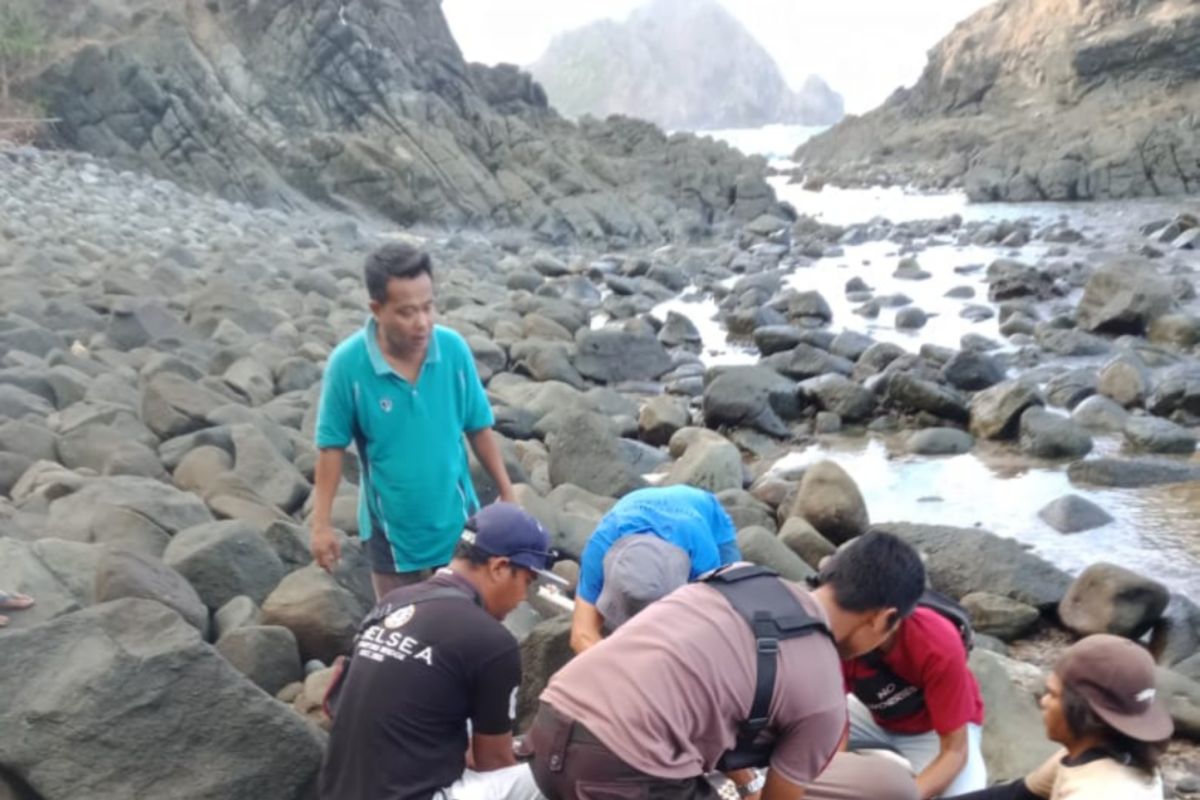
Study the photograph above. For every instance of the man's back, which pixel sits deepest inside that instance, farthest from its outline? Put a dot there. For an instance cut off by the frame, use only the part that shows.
(415, 680)
(667, 691)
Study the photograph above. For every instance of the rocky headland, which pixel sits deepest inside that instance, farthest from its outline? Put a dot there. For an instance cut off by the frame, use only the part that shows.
(368, 107)
(1039, 100)
(683, 64)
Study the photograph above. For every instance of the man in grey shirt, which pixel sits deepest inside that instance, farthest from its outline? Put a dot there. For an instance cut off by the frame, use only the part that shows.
(656, 706)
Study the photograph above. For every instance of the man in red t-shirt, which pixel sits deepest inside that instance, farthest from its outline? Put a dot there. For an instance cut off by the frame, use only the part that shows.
(915, 695)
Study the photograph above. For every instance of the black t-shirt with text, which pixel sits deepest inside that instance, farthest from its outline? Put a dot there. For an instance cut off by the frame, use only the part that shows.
(416, 678)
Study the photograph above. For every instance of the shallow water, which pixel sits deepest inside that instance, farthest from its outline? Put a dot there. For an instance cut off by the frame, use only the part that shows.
(1156, 531)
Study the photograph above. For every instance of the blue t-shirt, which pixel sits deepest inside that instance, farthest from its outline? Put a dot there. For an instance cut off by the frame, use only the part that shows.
(689, 518)
(416, 486)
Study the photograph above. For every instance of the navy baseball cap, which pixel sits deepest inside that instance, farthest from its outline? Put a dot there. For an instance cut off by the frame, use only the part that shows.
(507, 531)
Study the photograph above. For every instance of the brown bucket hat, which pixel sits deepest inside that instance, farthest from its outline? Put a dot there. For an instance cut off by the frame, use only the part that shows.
(1116, 678)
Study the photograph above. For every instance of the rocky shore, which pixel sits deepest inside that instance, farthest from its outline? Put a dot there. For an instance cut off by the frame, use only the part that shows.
(160, 358)
(1038, 100)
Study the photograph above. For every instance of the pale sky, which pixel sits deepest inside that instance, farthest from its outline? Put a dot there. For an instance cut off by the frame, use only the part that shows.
(864, 48)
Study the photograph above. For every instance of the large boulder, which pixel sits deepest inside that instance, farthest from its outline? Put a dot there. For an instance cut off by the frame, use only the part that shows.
(1182, 698)
(1102, 414)
(587, 453)
(939, 442)
(611, 355)
(995, 412)
(708, 463)
(545, 651)
(138, 512)
(58, 574)
(806, 541)
(1106, 598)
(1124, 296)
(1002, 617)
(964, 560)
(126, 573)
(172, 405)
(1125, 380)
(760, 546)
(660, 417)
(971, 371)
(322, 615)
(1131, 473)
(1014, 738)
(754, 397)
(830, 501)
(266, 654)
(225, 559)
(257, 461)
(1045, 434)
(912, 394)
(840, 395)
(177, 701)
(1155, 435)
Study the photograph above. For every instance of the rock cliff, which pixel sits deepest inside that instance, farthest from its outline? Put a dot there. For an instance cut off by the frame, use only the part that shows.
(685, 64)
(367, 106)
(1040, 99)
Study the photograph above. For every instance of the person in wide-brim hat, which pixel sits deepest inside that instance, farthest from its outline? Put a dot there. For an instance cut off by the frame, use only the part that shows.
(1102, 706)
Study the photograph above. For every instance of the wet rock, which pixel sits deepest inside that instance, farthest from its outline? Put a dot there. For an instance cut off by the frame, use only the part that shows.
(1106, 598)
(1124, 379)
(805, 361)
(223, 560)
(805, 541)
(185, 696)
(827, 423)
(266, 654)
(911, 319)
(1044, 434)
(1179, 330)
(995, 412)
(1067, 389)
(545, 651)
(1124, 296)
(964, 560)
(810, 306)
(751, 396)
(839, 395)
(760, 546)
(679, 331)
(1100, 414)
(1155, 435)
(1131, 473)
(939, 442)
(772, 339)
(746, 510)
(850, 345)
(611, 356)
(1177, 390)
(1070, 342)
(829, 500)
(1002, 617)
(1073, 514)
(912, 394)
(1182, 698)
(972, 371)
(125, 573)
(240, 612)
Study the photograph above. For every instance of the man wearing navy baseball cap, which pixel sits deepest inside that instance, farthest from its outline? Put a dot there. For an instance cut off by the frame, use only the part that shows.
(428, 703)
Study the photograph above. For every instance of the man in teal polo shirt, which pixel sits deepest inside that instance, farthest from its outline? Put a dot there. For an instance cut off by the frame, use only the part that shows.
(404, 391)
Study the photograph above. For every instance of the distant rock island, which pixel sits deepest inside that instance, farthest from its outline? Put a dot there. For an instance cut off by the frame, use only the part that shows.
(683, 64)
(1039, 100)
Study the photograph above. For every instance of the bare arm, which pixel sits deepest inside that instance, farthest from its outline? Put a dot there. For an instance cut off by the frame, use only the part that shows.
(324, 544)
(950, 760)
(780, 788)
(492, 752)
(487, 450)
(587, 626)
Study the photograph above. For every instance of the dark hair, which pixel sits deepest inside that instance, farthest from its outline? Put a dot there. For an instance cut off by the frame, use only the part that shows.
(876, 570)
(1082, 721)
(471, 553)
(393, 260)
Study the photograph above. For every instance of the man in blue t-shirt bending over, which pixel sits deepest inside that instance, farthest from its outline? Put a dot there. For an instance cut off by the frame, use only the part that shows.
(622, 571)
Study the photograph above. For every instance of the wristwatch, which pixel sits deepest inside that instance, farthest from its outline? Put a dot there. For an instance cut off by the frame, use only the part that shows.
(754, 786)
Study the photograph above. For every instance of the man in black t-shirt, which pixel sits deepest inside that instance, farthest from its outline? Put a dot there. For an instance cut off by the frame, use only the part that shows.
(434, 671)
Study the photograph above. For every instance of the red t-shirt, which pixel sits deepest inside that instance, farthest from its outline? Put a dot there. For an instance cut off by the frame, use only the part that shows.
(929, 654)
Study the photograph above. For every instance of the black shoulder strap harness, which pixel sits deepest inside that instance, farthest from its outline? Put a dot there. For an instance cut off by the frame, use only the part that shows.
(774, 614)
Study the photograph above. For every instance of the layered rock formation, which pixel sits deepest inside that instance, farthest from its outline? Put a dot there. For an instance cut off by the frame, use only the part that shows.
(685, 64)
(1040, 99)
(367, 107)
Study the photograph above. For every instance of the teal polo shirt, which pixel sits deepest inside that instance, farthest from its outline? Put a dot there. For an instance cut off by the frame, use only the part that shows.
(415, 490)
